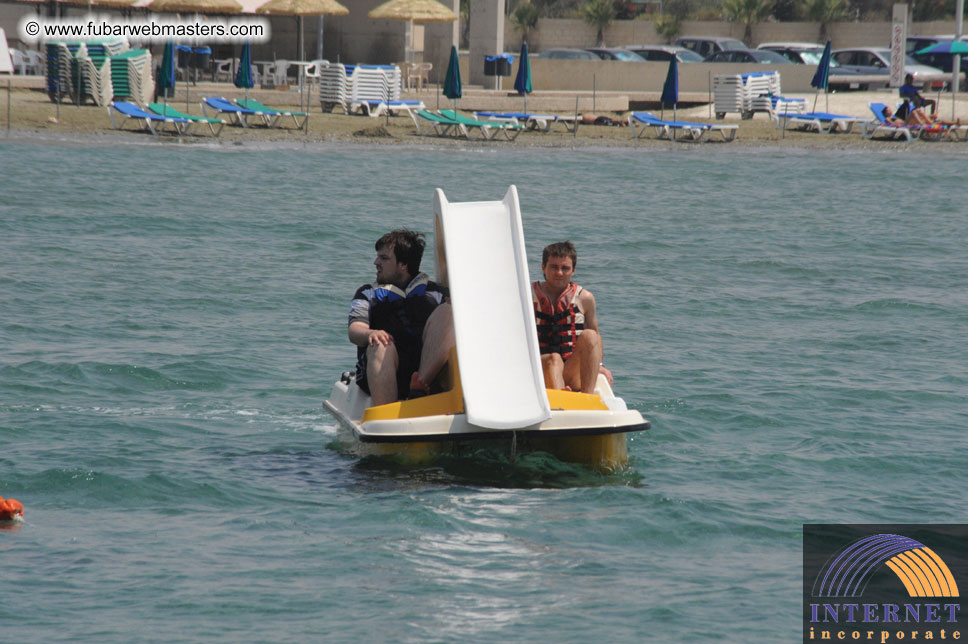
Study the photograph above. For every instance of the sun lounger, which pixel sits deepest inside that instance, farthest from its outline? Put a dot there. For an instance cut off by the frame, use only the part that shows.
(237, 114)
(691, 131)
(542, 122)
(429, 124)
(167, 110)
(871, 129)
(132, 112)
(378, 108)
(267, 112)
(820, 122)
(486, 129)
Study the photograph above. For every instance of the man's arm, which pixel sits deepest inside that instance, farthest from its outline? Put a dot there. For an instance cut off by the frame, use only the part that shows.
(362, 335)
(591, 322)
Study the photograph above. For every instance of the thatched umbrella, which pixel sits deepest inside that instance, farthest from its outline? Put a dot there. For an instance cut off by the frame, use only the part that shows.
(413, 11)
(301, 8)
(195, 6)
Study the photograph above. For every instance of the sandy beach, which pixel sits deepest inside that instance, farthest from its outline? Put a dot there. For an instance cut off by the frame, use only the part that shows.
(34, 115)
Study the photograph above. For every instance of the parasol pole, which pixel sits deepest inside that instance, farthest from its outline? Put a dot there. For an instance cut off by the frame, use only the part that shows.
(956, 61)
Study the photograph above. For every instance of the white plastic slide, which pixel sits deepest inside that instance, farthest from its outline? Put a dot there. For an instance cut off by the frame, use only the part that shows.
(483, 262)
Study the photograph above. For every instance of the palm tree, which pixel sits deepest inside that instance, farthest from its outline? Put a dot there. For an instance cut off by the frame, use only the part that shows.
(749, 12)
(525, 19)
(599, 14)
(825, 12)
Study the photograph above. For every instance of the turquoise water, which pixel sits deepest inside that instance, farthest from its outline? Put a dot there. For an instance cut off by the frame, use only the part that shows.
(792, 323)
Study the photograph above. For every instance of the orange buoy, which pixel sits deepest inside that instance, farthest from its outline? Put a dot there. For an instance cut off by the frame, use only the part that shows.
(10, 509)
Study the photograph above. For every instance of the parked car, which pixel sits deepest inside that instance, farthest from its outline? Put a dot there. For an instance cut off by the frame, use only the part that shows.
(876, 62)
(664, 53)
(563, 53)
(706, 45)
(615, 53)
(941, 61)
(762, 56)
(805, 53)
(808, 53)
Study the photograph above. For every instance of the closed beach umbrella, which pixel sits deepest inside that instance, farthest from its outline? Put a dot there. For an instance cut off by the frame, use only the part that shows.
(166, 77)
(413, 11)
(670, 90)
(522, 82)
(243, 76)
(452, 86)
(822, 78)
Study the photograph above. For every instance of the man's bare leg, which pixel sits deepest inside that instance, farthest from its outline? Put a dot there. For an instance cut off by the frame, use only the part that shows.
(438, 340)
(553, 368)
(381, 373)
(581, 368)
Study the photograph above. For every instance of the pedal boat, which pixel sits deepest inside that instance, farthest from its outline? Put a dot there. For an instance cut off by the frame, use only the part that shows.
(492, 388)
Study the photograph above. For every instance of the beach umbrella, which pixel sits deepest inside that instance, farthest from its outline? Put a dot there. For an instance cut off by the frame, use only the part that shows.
(955, 48)
(166, 77)
(522, 82)
(413, 11)
(300, 9)
(821, 79)
(243, 76)
(452, 85)
(670, 90)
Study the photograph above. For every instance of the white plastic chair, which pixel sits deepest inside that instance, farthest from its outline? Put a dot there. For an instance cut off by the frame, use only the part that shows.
(35, 62)
(422, 74)
(312, 71)
(19, 62)
(280, 72)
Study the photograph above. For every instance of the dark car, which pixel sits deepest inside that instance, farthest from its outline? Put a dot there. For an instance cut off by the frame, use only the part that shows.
(563, 53)
(615, 53)
(664, 53)
(706, 45)
(943, 62)
(761, 56)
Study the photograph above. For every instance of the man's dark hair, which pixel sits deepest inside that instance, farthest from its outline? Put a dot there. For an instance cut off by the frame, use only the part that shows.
(407, 247)
(560, 249)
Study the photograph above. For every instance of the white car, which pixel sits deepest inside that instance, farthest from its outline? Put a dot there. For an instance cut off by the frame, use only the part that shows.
(876, 61)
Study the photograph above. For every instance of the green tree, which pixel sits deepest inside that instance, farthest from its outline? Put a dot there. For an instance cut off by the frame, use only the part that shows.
(599, 14)
(749, 12)
(667, 26)
(525, 19)
(825, 12)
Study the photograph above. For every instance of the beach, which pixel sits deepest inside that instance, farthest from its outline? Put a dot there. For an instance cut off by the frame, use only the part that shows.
(34, 115)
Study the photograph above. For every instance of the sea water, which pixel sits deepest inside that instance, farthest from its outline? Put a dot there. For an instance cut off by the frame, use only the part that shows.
(792, 323)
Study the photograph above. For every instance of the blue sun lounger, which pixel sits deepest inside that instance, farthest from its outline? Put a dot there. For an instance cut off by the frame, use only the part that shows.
(665, 129)
(821, 122)
(881, 126)
(132, 112)
(237, 114)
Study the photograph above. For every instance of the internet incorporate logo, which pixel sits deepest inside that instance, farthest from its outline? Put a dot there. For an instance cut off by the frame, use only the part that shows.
(909, 591)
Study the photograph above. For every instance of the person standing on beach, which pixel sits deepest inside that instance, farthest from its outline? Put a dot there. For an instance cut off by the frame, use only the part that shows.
(402, 325)
(568, 337)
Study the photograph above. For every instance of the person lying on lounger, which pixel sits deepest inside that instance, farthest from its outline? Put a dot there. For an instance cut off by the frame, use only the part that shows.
(568, 337)
(402, 325)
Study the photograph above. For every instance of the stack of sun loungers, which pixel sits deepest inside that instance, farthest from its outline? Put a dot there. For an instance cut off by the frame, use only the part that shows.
(131, 75)
(88, 69)
(350, 86)
(741, 92)
(63, 77)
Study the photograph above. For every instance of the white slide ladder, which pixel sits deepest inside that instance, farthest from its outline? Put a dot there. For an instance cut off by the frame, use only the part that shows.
(481, 257)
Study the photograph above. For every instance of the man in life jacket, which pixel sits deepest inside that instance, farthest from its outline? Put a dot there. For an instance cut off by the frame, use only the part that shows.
(401, 324)
(571, 347)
